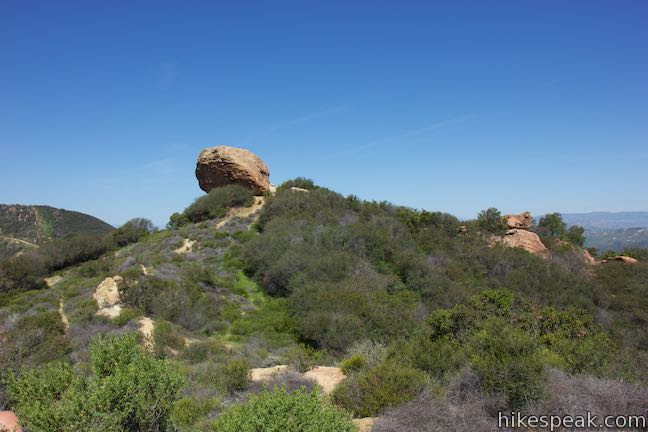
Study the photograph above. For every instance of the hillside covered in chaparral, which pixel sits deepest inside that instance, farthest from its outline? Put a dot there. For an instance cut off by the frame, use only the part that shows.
(295, 308)
(27, 227)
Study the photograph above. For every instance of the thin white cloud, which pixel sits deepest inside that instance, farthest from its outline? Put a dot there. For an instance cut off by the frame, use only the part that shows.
(408, 134)
(294, 122)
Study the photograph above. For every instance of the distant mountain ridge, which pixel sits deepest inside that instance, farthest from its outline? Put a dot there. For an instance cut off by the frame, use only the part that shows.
(607, 220)
(31, 225)
(612, 230)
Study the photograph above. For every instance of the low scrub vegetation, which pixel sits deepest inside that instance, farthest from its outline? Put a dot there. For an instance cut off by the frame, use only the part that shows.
(435, 328)
(126, 390)
(281, 411)
(213, 205)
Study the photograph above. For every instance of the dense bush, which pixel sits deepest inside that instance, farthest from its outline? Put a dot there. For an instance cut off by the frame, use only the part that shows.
(490, 220)
(281, 411)
(127, 390)
(27, 270)
(552, 226)
(368, 393)
(132, 231)
(509, 363)
(216, 203)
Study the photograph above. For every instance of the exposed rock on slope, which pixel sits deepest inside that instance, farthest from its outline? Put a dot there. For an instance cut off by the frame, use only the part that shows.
(107, 297)
(521, 221)
(526, 240)
(223, 165)
(9, 422)
(622, 258)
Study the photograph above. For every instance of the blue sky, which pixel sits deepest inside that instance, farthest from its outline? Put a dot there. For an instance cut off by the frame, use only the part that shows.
(453, 106)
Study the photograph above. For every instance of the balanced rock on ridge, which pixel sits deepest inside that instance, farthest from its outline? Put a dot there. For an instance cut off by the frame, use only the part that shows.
(520, 221)
(223, 165)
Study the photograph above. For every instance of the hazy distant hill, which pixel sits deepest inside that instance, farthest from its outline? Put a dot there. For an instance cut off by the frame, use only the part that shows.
(24, 225)
(617, 231)
(607, 220)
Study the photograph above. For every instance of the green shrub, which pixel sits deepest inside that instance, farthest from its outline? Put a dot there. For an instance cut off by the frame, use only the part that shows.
(300, 182)
(187, 411)
(125, 316)
(369, 393)
(353, 364)
(509, 363)
(132, 231)
(438, 357)
(127, 390)
(302, 358)
(217, 201)
(235, 375)
(166, 336)
(491, 221)
(280, 411)
(177, 220)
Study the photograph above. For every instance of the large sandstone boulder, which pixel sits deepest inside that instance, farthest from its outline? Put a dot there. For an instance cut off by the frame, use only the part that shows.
(223, 165)
(526, 240)
(520, 221)
(9, 422)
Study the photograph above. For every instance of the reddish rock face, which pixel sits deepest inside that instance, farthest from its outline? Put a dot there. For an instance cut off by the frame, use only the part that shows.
(223, 165)
(9, 422)
(521, 221)
(526, 240)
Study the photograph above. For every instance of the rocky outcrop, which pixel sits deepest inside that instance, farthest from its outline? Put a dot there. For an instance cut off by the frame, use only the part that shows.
(298, 189)
(520, 221)
(223, 165)
(621, 258)
(9, 422)
(589, 259)
(526, 240)
(107, 297)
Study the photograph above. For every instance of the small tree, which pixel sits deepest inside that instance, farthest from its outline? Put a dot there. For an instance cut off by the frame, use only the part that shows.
(491, 220)
(132, 231)
(575, 235)
(128, 389)
(552, 225)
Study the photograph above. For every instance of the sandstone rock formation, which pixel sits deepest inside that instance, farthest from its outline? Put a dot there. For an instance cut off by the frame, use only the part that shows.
(107, 296)
(589, 259)
(622, 258)
(520, 221)
(223, 165)
(526, 240)
(9, 422)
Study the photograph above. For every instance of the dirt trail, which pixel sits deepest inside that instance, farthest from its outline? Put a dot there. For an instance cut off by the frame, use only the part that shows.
(146, 328)
(242, 212)
(365, 424)
(53, 280)
(186, 247)
(64, 318)
(19, 241)
(326, 377)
